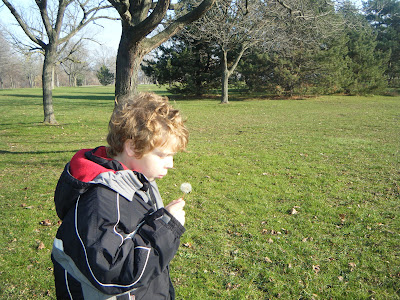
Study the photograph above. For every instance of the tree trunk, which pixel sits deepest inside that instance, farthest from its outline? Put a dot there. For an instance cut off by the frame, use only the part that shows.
(129, 58)
(52, 77)
(225, 78)
(228, 72)
(47, 81)
(225, 86)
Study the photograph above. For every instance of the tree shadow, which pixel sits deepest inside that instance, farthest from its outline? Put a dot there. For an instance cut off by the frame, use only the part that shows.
(37, 152)
(25, 95)
(93, 97)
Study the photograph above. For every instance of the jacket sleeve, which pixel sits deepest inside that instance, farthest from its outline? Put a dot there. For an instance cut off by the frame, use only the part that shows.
(122, 245)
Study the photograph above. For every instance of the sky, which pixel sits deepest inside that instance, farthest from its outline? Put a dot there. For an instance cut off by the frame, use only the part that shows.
(106, 32)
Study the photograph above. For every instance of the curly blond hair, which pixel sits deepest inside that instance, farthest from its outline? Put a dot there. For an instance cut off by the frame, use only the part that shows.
(149, 121)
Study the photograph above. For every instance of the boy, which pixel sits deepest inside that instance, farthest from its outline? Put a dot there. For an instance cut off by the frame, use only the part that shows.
(116, 239)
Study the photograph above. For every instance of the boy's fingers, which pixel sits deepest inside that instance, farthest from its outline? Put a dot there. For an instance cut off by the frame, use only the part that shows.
(176, 205)
(180, 203)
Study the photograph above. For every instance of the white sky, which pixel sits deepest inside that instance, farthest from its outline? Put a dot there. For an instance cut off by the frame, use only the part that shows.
(108, 34)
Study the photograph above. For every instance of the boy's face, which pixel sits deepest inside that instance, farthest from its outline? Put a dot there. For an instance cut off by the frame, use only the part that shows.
(154, 164)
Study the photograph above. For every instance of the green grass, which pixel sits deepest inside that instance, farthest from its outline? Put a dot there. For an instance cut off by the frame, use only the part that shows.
(334, 159)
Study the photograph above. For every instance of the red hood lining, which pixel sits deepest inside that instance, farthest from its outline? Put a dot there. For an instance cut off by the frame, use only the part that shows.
(86, 170)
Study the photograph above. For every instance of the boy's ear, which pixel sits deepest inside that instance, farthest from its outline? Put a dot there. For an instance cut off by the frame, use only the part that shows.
(128, 148)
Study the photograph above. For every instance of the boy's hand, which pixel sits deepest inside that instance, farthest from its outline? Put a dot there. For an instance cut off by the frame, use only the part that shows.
(175, 208)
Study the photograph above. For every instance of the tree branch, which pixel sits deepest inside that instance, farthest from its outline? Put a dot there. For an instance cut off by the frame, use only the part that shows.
(178, 24)
(23, 25)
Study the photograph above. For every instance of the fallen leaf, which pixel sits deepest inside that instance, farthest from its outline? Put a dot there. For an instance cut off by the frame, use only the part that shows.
(230, 286)
(316, 269)
(293, 211)
(342, 218)
(267, 259)
(352, 266)
(46, 222)
(306, 239)
(187, 245)
(41, 246)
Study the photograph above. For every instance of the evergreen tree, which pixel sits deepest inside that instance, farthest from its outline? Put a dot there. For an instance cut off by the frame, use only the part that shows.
(188, 67)
(105, 76)
(384, 16)
(368, 64)
(302, 71)
(256, 71)
(332, 72)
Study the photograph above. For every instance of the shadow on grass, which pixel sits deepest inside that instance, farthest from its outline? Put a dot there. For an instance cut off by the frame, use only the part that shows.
(86, 97)
(22, 124)
(37, 152)
(25, 95)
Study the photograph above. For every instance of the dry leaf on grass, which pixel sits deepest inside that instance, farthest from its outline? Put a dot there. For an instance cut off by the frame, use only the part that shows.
(352, 266)
(316, 269)
(188, 245)
(41, 246)
(46, 222)
(231, 286)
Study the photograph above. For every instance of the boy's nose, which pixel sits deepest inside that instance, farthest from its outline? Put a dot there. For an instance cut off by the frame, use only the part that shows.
(169, 164)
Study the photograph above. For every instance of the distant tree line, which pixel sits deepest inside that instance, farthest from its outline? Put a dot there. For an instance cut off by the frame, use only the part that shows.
(23, 69)
(357, 52)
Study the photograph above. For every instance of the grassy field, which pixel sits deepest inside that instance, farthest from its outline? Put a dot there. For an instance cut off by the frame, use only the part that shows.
(292, 199)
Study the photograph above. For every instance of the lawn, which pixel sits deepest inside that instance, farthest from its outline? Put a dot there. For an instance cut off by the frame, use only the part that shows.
(292, 199)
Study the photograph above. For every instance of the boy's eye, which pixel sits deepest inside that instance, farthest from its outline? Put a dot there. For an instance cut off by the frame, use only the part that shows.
(166, 155)
(163, 155)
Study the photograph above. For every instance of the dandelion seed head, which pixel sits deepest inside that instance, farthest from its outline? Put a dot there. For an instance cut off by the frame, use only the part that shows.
(186, 187)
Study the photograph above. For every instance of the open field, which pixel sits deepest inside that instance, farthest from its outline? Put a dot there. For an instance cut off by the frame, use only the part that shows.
(291, 199)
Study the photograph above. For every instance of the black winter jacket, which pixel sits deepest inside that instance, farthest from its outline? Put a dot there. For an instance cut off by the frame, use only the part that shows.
(116, 240)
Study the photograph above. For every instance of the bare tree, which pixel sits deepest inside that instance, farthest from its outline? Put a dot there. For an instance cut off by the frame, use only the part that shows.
(72, 60)
(4, 57)
(11, 66)
(238, 25)
(32, 67)
(139, 19)
(103, 56)
(59, 22)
